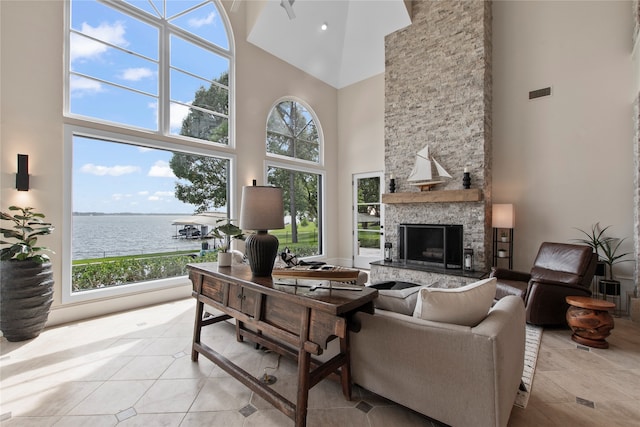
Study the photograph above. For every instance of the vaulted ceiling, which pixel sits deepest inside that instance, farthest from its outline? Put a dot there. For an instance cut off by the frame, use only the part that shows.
(351, 48)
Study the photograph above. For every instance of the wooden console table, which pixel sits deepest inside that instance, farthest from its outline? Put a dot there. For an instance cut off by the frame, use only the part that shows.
(293, 321)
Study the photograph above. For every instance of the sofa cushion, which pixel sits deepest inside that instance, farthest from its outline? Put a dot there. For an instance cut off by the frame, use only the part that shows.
(466, 305)
(399, 297)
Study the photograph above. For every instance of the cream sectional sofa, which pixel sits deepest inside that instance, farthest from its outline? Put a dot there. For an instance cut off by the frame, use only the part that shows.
(458, 375)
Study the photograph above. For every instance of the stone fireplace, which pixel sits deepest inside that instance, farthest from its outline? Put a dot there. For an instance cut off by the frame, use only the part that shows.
(438, 93)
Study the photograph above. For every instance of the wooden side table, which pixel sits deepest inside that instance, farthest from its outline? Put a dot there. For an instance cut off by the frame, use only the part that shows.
(590, 321)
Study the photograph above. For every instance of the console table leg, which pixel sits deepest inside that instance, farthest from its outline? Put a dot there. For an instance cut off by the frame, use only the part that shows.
(197, 328)
(345, 370)
(304, 364)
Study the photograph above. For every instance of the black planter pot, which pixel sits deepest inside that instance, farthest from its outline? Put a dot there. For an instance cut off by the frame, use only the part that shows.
(26, 294)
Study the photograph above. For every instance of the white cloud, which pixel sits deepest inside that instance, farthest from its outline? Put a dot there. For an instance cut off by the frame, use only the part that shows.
(161, 169)
(143, 193)
(178, 114)
(81, 86)
(159, 196)
(201, 22)
(136, 74)
(117, 170)
(84, 48)
(144, 149)
(117, 196)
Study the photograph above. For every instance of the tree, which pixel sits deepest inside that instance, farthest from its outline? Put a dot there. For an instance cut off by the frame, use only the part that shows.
(206, 124)
(206, 177)
(207, 180)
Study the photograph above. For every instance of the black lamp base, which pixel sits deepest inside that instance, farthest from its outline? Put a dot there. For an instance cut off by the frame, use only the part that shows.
(261, 249)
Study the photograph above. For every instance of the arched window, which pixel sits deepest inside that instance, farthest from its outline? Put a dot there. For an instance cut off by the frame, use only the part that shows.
(293, 132)
(162, 66)
(148, 90)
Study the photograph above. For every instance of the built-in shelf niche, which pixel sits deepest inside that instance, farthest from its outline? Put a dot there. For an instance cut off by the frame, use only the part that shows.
(438, 196)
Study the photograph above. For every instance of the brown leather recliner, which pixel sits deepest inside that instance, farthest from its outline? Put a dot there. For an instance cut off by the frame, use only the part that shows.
(560, 270)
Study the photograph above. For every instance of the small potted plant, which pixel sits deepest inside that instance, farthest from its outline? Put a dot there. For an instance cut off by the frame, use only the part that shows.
(26, 277)
(226, 232)
(610, 256)
(606, 248)
(503, 236)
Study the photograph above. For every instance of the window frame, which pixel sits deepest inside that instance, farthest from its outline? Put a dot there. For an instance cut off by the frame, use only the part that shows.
(162, 138)
(323, 190)
(70, 131)
(277, 157)
(164, 81)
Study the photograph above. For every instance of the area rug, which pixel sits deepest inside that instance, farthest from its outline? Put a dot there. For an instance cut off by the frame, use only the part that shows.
(532, 345)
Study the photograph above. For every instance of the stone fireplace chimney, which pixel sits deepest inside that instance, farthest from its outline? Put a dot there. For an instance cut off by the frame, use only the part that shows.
(438, 93)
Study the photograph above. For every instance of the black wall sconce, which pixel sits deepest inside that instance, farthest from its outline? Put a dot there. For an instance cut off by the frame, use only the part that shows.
(22, 177)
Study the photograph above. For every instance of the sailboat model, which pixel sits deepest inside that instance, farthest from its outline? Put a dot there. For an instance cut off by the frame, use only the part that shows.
(423, 174)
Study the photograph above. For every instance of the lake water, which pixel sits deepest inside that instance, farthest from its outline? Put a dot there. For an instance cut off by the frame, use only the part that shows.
(115, 235)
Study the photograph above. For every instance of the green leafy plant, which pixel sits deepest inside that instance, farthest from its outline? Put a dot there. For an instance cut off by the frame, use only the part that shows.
(27, 226)
(610, 254)
(605, 246)
(595, 237)
(226, 232)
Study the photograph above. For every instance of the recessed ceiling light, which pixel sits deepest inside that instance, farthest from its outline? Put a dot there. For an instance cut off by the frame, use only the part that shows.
(324, 26)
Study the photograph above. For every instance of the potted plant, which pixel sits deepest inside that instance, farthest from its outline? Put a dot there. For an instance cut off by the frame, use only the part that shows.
(606, 248)
(610, 257)
(26, 277)
(504, 236)
(226, 232)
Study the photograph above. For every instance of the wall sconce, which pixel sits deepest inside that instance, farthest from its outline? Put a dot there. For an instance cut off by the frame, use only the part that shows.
(22, 177)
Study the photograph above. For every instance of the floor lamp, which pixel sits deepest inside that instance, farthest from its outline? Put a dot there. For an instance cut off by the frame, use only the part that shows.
(503, 218)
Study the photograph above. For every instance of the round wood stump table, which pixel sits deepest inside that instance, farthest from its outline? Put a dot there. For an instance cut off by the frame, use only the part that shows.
(590, 321)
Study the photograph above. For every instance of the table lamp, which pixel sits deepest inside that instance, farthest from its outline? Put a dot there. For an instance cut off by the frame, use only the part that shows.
(262, 210)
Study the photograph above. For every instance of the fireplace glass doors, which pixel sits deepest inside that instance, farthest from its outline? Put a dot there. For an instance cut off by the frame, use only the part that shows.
(434, 245)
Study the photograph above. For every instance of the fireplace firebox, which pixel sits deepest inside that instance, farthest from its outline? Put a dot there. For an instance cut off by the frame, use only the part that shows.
(437, 245)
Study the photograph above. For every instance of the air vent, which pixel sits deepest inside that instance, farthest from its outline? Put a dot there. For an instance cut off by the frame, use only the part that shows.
(540, 93)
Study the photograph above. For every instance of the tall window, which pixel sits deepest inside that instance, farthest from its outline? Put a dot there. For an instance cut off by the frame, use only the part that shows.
(143, 200)
(293, 132)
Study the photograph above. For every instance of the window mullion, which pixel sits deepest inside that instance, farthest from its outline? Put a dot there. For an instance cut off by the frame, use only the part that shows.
(164, 107)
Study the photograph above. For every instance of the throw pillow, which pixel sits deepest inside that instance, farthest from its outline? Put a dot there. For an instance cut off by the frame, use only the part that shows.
(399, 297)
(466, 305)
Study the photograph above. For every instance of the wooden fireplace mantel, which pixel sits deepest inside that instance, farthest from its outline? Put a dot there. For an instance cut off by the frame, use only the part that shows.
(439, 196)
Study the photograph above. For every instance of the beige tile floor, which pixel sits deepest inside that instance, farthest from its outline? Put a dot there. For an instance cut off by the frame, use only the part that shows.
(134, 369)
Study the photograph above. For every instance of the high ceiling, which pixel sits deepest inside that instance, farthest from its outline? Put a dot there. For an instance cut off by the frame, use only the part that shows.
(351, 49)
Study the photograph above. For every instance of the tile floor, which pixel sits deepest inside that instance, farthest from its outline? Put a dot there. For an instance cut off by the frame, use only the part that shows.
(134, 369)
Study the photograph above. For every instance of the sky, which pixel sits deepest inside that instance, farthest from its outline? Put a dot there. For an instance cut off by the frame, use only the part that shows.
(124, 88)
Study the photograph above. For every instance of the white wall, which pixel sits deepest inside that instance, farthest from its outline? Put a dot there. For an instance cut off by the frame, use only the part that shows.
(565, 161)
(361, 149)
(31, 122)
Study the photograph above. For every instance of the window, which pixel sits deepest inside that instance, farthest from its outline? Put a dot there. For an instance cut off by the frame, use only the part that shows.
(122, 53)
(141, 213)
(142, 199)
(293, 132)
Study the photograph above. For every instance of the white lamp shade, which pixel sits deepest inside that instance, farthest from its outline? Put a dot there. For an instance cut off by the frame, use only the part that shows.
(503, 216)
(262, 208)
